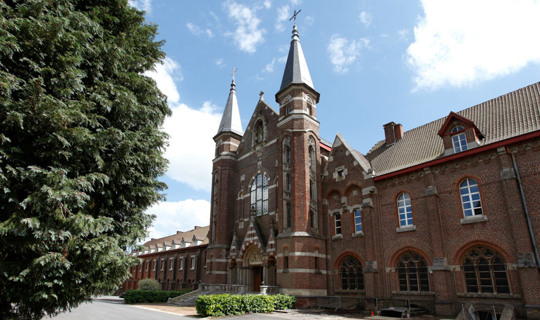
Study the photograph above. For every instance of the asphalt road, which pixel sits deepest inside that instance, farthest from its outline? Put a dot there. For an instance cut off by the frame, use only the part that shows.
(111, 308)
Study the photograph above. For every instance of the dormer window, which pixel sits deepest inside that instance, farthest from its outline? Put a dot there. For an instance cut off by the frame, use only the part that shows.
(459, 139)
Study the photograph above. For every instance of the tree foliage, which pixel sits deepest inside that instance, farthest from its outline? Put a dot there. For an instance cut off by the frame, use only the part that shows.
(148, 284)
(80, 149)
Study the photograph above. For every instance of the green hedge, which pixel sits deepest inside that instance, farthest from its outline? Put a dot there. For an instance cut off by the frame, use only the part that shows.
(219, 305)
(138, 296)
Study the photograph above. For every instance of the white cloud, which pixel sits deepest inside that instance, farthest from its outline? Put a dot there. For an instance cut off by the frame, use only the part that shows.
(267, 4)
(219, 62)
(269, 68)
(344, 52)
(178, 216)
(282, 16)
(191, 147)
(366, 18)
(165, 74)
(197, 31)
(461, 42)
(144, 5)
(247, 35)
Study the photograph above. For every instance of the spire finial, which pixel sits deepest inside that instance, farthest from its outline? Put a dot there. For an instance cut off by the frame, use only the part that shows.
(233, 72)
(261, 95)
(294, 16)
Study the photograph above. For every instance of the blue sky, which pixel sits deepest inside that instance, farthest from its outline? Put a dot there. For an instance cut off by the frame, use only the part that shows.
(373, 62)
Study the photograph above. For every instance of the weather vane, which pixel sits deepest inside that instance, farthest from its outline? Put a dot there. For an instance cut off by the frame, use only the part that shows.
(233, 72)
(294, 16)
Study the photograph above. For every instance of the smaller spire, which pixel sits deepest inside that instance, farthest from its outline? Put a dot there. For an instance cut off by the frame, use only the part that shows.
(230, 121)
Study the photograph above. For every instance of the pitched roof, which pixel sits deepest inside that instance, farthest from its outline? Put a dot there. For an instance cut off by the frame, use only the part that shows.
(230, 121)
(501, 118)
(200, 233)
(296, 69)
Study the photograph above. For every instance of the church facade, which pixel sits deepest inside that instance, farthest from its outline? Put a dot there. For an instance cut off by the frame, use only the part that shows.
(445, 214)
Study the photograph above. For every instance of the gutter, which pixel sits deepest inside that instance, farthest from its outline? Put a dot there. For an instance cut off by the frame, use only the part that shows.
(459, 155)
(526, 211)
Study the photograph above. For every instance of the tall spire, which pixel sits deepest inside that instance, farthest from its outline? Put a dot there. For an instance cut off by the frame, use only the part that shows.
(296, 69)
(230, 121)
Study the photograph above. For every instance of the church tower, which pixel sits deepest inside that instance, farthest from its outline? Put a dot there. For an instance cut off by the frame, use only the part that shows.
(227, 140)
(300, 241)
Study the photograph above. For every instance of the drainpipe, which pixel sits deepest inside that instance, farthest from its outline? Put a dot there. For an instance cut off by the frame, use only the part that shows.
(526, 211)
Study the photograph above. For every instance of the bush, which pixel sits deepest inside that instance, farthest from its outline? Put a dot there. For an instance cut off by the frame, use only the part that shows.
(148, 284)
(226, 304)
(283, 301)
(138, 296)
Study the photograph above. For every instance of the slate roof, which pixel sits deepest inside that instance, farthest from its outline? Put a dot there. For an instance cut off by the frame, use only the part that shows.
(200, 233)
(501, 118)
(296, 69)
(230, 121)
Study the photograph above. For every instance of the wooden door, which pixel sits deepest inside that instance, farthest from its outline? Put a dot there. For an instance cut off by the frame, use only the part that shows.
(257, 277)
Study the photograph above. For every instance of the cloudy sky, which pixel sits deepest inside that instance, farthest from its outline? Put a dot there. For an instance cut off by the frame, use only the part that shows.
(373, 62)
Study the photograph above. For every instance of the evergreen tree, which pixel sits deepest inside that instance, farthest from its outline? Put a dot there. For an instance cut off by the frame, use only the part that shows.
(80, 149)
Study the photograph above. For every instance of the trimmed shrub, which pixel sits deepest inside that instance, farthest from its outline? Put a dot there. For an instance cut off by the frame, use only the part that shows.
(139, 296)
(148, 284)
(283, 301)
(219, 305)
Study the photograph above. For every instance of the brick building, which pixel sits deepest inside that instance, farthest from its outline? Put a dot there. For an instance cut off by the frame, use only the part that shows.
(175, 261)
(444, 216)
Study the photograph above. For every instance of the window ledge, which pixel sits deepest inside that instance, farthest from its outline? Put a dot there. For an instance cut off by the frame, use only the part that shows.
(473, 219)
(337, 237)
(488, 295)
(406, 228)
(358, 234)
(414, 293)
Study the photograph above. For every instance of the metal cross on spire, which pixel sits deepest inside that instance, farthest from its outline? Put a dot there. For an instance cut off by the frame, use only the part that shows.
(294, 16)
(233, 72)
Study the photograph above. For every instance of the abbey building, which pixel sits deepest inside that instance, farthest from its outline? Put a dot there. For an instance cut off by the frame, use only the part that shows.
(443, 215)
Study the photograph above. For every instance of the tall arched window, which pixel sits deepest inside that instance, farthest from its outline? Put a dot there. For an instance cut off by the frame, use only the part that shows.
(412, 272)
(259, 195)
(485, 271)
(350, 272)
(470, 198)
(405, 210)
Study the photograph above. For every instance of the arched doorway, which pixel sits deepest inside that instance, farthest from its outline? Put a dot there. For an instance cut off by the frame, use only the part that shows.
(253, 259)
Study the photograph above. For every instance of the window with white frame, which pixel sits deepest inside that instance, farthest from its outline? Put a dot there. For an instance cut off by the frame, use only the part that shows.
(405, 210)
(470, 198)
(147, 264)
(192, 262)
(171, 263)
(259, 195)
(459, 139)
(181, 263)
(162, 264)
(155, 263)
(357, 220)
(337, 223)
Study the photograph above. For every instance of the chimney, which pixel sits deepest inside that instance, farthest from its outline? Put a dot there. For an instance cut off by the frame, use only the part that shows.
(398, 131)
(392, 133)
(389, 133)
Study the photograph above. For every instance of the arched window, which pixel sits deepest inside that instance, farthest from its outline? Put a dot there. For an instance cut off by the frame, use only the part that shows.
(404, 210)
(350, 272)
(470, 198)
(485, 271)
(259, 195)
(412, 272)
(459, 139)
